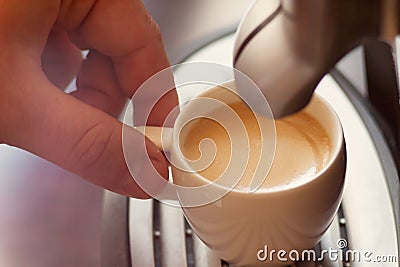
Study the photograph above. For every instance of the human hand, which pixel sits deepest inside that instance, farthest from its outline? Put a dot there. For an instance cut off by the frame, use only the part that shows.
(40, 52)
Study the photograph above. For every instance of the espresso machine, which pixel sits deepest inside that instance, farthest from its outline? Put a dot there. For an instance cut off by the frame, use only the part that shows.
(49, 217)
(334, 47)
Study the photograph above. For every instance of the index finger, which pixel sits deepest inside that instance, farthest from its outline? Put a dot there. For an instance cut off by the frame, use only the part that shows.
(124, 31)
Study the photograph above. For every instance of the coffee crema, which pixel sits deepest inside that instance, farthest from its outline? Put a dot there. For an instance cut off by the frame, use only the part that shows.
(302, 147)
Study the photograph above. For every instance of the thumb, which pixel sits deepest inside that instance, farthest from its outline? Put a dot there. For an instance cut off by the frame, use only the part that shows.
(76, 136)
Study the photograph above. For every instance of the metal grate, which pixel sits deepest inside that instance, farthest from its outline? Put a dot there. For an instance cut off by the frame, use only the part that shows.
(173, 243)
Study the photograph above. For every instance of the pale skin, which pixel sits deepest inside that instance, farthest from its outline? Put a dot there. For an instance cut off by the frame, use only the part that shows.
(40, 52)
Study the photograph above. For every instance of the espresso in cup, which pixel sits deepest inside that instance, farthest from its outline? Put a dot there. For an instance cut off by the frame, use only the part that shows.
(302, 145)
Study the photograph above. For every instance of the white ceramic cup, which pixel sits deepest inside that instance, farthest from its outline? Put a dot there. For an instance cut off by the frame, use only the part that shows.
(239, 225)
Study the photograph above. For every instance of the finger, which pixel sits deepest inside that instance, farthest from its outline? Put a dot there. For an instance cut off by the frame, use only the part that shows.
(60, 59)
(97, 84)
(41, 119)
(25, 24)
(25, 28)
(76, 136)
(125, 32)
(150, 112)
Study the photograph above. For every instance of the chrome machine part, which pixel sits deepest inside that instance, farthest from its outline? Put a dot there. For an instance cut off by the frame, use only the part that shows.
(367, 219)
(187, 26)
(306, 46)
(169, 241)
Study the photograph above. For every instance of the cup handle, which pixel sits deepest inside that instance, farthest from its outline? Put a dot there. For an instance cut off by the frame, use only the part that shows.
(160, 136)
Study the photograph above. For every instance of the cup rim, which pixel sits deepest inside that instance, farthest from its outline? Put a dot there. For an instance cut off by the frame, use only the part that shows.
(337, 147)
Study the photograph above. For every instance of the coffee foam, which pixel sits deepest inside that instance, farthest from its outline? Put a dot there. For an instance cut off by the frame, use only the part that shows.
(302, 147)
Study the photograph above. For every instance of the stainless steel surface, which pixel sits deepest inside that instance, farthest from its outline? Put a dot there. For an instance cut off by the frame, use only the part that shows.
(173, 249)
(367, 202)
(352, 66)
(141, 232)
(387, 164)
(306, 46)
(115, 234)
(187, 26)
(173, 252)
(48, 217)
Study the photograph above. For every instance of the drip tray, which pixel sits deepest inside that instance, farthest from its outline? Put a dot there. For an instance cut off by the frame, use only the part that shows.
(166, 239)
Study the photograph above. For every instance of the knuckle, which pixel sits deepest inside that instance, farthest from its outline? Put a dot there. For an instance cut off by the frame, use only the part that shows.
(72, 13)
(91, 147)
(154, 27)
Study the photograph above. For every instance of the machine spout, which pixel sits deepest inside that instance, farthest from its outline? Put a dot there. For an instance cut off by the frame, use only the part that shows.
(287, 46)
